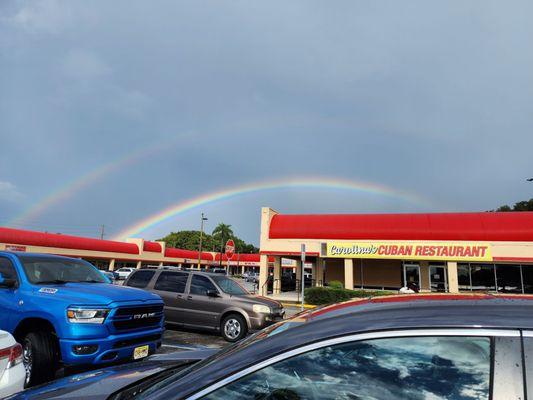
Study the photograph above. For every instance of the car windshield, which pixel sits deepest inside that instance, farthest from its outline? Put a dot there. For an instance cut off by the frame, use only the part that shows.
(58, 270)
(229, 286)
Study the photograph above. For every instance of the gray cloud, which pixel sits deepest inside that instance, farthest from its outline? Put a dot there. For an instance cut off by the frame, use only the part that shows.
(9, 192)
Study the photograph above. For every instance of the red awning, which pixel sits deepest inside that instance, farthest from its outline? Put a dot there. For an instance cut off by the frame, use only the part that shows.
(483, 226)
(30, 238)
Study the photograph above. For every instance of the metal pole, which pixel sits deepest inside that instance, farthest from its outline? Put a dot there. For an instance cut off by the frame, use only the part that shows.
(221, 246)
(302, 282)
(361, 271)
(522, 279)
(201, 237)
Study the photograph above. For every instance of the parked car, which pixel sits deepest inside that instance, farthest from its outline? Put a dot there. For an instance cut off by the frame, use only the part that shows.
(65, 313)
(252, 277)
(402, 347)
(124, 272)
(112, 276)
(208, 301)
(218, 271)
(12, 372)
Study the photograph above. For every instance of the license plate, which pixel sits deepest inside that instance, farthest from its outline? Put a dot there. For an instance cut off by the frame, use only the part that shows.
(140, 352)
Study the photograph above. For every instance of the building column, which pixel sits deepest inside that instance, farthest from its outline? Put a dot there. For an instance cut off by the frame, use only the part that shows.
(112, 264)
(424, 277)
(161, 264)
(314, 273)
(348, 273)
(243, 270)
(276, 285)
(139, 264)
(453, 280)
(263, 273)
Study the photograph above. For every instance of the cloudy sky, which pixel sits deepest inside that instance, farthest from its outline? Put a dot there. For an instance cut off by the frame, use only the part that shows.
(128, 107)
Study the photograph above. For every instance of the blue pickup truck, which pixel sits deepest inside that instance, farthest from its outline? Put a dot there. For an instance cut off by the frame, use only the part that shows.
(65, 312)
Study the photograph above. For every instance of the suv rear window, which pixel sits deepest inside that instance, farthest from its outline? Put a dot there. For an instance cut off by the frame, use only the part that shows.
(172, 282)
(140, 279)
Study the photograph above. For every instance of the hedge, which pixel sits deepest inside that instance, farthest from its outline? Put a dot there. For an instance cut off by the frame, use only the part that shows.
(327, 295)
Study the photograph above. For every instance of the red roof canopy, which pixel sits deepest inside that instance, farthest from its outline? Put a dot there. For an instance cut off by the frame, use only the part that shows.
(30, 238)
(152, 246)
(482, 226)
(190, 254)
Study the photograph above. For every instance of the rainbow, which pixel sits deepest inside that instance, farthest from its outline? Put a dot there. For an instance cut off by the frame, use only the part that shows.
(227, 193)
(68, 190)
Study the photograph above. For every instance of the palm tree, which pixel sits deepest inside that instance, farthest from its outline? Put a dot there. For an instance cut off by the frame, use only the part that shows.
(223, 231)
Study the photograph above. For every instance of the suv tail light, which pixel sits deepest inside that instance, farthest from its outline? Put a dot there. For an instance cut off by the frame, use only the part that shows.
(13, 354)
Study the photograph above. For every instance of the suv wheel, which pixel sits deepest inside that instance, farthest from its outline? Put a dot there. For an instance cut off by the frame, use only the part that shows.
(233, 328)
(38, 356)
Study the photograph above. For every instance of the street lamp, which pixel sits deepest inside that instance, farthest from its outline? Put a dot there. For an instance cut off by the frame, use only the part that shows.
(201, 237)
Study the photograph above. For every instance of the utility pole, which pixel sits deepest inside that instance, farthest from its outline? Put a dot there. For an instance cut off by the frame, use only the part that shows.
(201, 237)
(221, 249)
(102, 231)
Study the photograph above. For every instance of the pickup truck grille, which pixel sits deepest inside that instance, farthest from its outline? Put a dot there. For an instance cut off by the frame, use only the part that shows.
(128, 318)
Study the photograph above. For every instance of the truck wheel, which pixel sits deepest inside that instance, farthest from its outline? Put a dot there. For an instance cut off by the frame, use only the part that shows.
(38, 356)
(233, 328)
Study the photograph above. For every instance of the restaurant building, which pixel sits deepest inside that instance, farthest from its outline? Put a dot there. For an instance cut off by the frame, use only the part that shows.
(444, 252)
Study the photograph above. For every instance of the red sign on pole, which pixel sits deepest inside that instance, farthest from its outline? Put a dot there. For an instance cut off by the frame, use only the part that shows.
(230, 249)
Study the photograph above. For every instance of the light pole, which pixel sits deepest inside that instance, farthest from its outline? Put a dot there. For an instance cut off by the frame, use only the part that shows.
(201, 237)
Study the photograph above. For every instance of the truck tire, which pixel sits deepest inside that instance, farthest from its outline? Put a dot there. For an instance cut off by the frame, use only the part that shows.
(39, 357)
(233, 327)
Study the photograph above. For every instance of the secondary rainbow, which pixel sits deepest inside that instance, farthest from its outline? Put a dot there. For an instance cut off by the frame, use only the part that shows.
(234, 191)
(84, 181)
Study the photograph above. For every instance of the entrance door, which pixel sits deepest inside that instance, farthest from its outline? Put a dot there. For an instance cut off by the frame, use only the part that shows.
(438, 280)
(411, 276)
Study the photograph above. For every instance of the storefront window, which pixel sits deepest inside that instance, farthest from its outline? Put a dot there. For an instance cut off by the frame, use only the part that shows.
(483, 278)
(463, 275)
(527, 274)
(509, 280)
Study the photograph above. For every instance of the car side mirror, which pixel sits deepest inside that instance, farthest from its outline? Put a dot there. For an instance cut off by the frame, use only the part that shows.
(211, 293)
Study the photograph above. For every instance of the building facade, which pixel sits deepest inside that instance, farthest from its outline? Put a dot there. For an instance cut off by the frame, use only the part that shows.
(445, 252)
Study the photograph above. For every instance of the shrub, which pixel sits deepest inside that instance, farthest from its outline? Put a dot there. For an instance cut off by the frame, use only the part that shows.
(336, 285)
(329, 295)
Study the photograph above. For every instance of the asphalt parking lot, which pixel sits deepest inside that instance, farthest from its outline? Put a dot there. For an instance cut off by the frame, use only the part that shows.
(179, 339)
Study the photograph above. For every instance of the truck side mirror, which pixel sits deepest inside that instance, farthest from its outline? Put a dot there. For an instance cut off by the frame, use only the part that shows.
(211, 293)
(7, 283)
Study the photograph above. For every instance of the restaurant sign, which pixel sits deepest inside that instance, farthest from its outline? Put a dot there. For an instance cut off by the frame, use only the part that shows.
(410, 251)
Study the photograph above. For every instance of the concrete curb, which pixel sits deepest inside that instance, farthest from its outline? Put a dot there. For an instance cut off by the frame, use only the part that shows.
(306, 306)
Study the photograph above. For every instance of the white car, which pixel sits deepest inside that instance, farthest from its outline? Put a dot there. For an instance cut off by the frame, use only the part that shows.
(124, 272)
(12, 372)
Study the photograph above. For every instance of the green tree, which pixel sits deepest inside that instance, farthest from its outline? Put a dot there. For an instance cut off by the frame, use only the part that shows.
(222, 233)
(190, 240)
(526, 205)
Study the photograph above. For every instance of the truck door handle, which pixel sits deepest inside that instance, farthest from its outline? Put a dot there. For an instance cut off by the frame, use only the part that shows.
(180, 296)
(189, 297)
